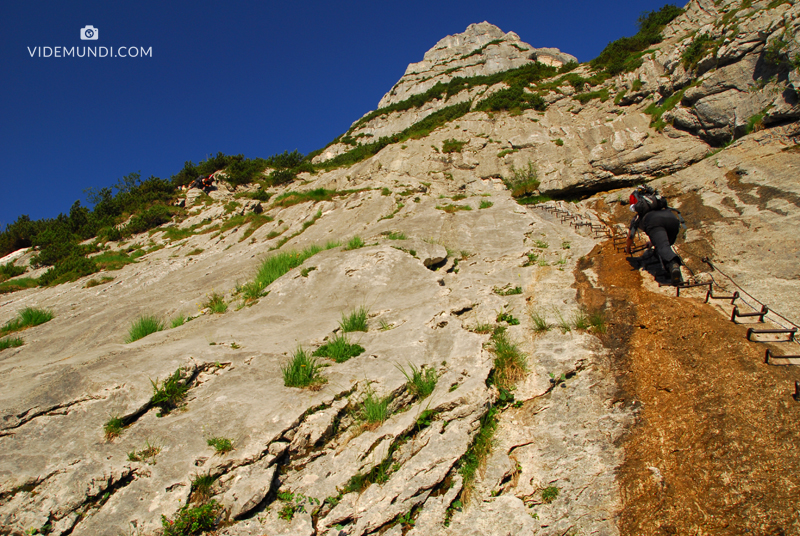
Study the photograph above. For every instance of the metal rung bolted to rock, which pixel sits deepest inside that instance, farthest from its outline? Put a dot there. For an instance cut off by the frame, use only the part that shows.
(710, 294)
(760, 315)
(753, 331)
(780, 360)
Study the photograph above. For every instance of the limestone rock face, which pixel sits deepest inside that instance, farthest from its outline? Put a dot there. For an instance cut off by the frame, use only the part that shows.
(482, 49)
(444, 252)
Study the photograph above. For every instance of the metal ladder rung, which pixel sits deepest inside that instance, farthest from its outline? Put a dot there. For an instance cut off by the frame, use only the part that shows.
(710, 294)
(760, 315)
(689, 285)
(754, 331)
(769, 355)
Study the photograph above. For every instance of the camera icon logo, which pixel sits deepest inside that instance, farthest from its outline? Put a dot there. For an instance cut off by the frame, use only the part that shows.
(89, 33)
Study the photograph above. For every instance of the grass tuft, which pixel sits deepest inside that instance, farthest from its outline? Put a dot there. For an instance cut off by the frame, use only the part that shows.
(191, 520)
(510, 364)
(178, 321)
(485, 204)
(11, 342)
(539, 322)
(598, 322)
(113, 428)
(222, 445)
(216, 303)
(302, 370)
(373, 409)
(170, 393)
(26, 318)
(549, 494)
(580, 320)
(419, 382)
(339, 349)
(354, 243)
(475, 458)
(355, 321)
(144, 326)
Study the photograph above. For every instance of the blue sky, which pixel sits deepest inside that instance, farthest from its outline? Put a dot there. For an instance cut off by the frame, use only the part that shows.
(250, 77)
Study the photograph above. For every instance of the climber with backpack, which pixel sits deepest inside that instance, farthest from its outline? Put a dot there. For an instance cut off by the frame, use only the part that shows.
(661, 224)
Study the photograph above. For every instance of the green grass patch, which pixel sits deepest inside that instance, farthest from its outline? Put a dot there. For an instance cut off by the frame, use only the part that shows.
(549, 494)
(26, 318)
(11, 342)
(485, 204)
(339, 348)
(597, 321)
(18, 284)
(510, 364)
(474, 459)
(144, 326)
(355, 321)
(395, 235)
(97, 282)
(177, 321)
(195, 251)
(222, 445)
(354, 243)
(452, 209)
(419, 382)
(275, 266)
(583, 98)
(302, 370)
(113, 428)
(700, 46)
(373, 410)
(170, 393)
(507, 291)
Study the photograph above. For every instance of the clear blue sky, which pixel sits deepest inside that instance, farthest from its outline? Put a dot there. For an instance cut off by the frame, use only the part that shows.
(251, 77)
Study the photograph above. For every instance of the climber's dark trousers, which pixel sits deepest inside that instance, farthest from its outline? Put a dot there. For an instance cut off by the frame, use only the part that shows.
(662, 226)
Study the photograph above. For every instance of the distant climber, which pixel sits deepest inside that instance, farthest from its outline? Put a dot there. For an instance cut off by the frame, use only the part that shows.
(203, 183)
(660, 223)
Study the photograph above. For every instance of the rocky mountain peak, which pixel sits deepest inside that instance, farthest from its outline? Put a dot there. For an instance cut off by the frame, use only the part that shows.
(482, 49)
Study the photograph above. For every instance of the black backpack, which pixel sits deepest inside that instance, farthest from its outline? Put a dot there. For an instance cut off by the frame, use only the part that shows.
(647, 200)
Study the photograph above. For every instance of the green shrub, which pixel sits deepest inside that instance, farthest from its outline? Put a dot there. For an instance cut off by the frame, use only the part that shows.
(302, 371)
(191, 520)
(170, 393)
(7, 271)
(26, 318)
(513, 98)
(523, 181)
(318, 194)
(355, 321)
(583, 98)
(697, 50)
(222, 445)
(339, 349)
(485, 204)
(68, 269)
(507, 317)
(144, 326)
(148, 219)
(420, 382)
(625, 54)
(11, 342)
(452, 146)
